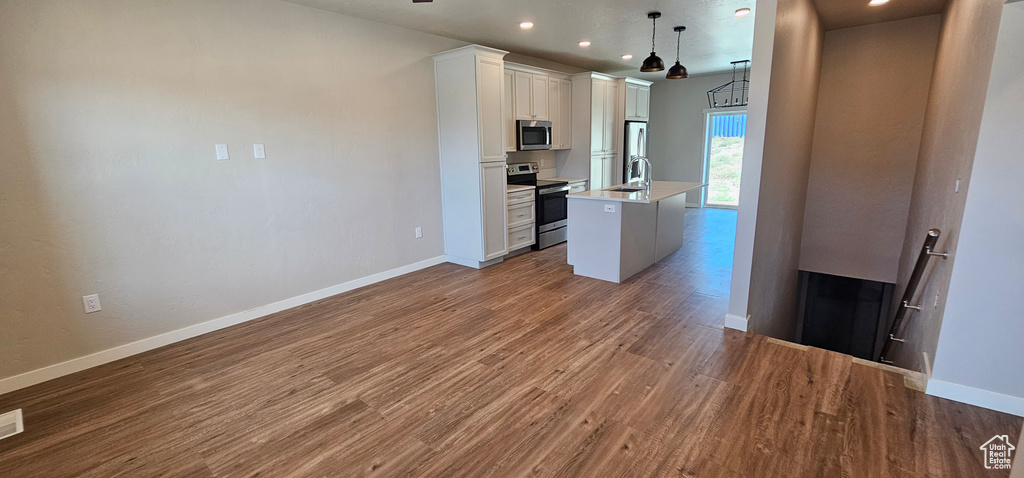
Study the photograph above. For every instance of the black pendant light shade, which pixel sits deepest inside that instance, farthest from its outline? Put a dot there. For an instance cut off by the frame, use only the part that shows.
(653, 63)
(678, 71)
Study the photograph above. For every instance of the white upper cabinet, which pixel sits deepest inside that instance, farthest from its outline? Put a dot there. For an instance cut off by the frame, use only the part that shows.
(509, 110)
(535, 94)
(638, 100)
(560, 112)
(597, 116)
(490, 73)
(540, 97)
(531, 96)
(603, 112)
(565, 114)
(643, 103)
(611, 95)
(631, 94)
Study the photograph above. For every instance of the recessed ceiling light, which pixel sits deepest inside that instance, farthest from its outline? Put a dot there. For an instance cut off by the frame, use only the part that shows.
(875, 3)
(742, 12)
(526, 25)
(584, 43)
(627, 57)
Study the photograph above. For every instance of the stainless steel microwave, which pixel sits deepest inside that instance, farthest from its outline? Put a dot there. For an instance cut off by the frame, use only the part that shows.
(533, 135)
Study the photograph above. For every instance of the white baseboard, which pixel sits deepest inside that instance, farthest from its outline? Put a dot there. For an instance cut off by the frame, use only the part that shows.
(462, 261)
(51, 372)
(736, 322)
(977, 397)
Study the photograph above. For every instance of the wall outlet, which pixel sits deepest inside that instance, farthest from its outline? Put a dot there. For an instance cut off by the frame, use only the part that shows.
(222, 152)
(92, 303)
(259, 152)
(609, 208)
(419, 233)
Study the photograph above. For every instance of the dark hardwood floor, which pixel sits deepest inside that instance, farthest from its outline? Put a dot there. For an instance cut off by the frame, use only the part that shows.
(521, 369)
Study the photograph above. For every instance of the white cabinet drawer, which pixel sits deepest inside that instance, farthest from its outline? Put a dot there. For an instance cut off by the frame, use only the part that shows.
(520, 197)
(521, 237)
(520, 214)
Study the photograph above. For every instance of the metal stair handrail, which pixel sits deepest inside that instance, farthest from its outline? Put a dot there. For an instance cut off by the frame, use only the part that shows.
(899, 321)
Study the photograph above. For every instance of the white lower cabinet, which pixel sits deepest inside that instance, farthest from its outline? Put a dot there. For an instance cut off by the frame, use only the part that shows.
(602, 171)
(521, 214)
(493, 179)
(522, 236)
(522, 219)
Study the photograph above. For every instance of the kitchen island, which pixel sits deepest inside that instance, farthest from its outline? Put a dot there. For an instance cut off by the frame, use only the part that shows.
(616, 233)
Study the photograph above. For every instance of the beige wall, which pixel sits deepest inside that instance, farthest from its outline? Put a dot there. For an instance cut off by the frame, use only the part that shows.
(955, 103)
(785, 164)
(982, 329)
(871, 104)
(677, 128)
(109, 112)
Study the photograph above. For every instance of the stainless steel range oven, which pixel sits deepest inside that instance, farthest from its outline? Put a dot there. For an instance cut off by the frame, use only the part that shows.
(551, 202)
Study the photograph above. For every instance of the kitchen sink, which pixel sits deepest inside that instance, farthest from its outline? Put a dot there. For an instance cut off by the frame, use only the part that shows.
(628, 189)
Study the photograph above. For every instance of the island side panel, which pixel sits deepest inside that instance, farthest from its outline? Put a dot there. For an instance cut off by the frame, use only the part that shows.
(639, 238)
(671, 216)
(595, 239)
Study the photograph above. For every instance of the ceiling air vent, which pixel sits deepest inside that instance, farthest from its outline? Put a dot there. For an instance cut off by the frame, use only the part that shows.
(10, 424)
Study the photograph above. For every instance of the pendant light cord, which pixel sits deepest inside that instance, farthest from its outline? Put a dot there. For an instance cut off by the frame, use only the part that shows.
(679, 38)
(654, 32)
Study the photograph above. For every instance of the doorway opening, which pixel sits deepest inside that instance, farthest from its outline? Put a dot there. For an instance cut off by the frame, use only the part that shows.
(723, 156)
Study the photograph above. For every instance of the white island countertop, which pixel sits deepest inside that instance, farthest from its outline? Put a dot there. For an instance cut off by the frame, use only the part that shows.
(659, 190)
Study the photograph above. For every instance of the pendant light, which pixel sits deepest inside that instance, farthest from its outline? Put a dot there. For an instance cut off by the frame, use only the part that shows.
(677, 72)
(653, 63)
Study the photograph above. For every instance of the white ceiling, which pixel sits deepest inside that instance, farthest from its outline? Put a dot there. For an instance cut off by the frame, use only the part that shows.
(714, 36)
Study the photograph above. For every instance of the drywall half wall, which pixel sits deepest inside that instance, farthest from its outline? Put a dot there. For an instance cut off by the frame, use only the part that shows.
(867, 132)
(781, 169)
(110, 110)
(677, 132)
(960, 78)
(979, 349)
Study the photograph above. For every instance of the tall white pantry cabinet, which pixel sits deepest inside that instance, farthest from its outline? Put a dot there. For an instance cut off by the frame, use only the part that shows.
(471, 134)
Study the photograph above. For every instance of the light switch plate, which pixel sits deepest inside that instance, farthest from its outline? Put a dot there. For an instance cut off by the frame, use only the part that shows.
(222, 152)
(609, 208)
(259, 152)
(419, 232)
(91, 303)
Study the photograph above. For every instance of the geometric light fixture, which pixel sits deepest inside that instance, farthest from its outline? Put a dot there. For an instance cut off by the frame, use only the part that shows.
(678, 71)
(653, 63)
(735, 92)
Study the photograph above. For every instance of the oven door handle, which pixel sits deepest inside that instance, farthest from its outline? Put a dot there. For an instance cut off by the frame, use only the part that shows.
(554, 189)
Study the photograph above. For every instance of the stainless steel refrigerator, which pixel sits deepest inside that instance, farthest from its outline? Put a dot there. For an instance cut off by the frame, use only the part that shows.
(634, 144)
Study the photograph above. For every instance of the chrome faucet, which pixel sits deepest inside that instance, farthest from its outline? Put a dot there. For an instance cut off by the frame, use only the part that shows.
(646, 171)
